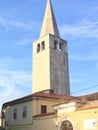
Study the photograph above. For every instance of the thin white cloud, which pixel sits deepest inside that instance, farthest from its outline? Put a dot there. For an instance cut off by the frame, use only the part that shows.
(92, 12)
(13, 83)
(85, 28)
(8, 90)
(82, 57)
(16, 77)
(6, 62)
(72, 80)
(96, 66)
(13, 63)
(24, 41)
(9, 24)
(10, 82)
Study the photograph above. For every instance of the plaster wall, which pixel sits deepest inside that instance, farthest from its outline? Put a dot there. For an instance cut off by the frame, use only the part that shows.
(19, 120)
(38, 102)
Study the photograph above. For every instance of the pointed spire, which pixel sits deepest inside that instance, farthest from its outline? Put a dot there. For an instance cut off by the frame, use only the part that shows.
(49, 23)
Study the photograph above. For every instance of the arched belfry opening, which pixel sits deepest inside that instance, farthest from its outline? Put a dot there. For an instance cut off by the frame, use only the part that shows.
(43, 45)
(38, 47)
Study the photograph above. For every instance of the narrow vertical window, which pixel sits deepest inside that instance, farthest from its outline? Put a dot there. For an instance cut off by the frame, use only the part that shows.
(43, 45)
(24, 111)
(43, 109)
(55, 44)
(3, 115)
(15, 114)
(38, 48)
(60, 46)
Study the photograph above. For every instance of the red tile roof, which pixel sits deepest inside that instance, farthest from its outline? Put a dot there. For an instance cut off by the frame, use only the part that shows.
(40, 94)
(85, 108)
(55, 96)
(92, 96)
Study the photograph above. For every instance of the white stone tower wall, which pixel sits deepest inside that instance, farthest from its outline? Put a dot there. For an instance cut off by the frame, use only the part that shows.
(41, 65)
(59, 72)
(50, 65)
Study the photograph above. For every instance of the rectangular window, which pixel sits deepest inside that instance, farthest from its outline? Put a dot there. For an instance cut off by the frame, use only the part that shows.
(24, 111)
(3, 115)
(43, 109)
(15, 114)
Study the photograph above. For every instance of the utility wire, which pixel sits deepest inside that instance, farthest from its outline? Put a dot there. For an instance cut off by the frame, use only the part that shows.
(84, 89)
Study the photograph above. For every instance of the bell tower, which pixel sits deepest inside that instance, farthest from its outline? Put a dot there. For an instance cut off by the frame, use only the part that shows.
(50, 57)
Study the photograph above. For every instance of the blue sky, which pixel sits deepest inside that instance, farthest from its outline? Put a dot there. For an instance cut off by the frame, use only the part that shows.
(20, 24)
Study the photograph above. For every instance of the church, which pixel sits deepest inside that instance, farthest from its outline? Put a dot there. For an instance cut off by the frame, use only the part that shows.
(50, 106)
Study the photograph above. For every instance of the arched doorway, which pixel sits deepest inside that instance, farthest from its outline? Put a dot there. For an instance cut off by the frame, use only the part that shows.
(66, 125)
